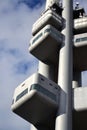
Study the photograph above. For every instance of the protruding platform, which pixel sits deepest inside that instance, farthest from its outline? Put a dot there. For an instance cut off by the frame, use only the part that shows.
(51, 17)
(80, 25)
(80, 20)
(46, 43)
(80, 52)
(36, 100)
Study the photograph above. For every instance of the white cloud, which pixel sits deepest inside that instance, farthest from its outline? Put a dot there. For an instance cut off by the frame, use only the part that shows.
(16, 64)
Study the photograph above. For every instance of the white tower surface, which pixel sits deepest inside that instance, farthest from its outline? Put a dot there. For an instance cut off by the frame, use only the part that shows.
(64, 118)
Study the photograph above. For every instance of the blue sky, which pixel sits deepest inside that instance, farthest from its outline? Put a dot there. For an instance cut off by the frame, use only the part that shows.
(16, 64)
(32, 3)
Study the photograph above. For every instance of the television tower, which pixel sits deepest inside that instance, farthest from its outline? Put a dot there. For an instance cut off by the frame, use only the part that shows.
(53, 98)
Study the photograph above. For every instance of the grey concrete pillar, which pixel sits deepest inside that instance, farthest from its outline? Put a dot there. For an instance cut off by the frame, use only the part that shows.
(64, 115)
(47, 70)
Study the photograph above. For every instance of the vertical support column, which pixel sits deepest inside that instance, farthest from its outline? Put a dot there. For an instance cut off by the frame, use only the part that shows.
(64, 116)
(47, 70)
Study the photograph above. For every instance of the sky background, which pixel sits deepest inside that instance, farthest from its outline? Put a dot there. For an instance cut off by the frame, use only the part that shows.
(16, 64)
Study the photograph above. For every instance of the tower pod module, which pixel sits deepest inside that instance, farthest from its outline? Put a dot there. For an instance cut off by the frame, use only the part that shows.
(80, 20)
(45, 44)
(80, 40)
(48, 17)
(80, 25)
(80, 51)
(36, 99)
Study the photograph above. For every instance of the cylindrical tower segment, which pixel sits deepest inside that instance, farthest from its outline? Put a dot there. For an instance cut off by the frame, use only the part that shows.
(64, 116)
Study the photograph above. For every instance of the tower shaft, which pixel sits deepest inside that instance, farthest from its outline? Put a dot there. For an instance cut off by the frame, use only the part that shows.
(64, 116)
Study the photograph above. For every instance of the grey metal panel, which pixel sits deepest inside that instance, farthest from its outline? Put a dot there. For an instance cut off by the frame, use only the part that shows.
(41, 97)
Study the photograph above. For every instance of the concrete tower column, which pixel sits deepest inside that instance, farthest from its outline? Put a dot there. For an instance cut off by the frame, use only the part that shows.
(47, 70)
(64, 115)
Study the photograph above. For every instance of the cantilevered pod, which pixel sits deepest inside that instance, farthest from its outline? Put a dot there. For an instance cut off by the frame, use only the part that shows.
(34, 97)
